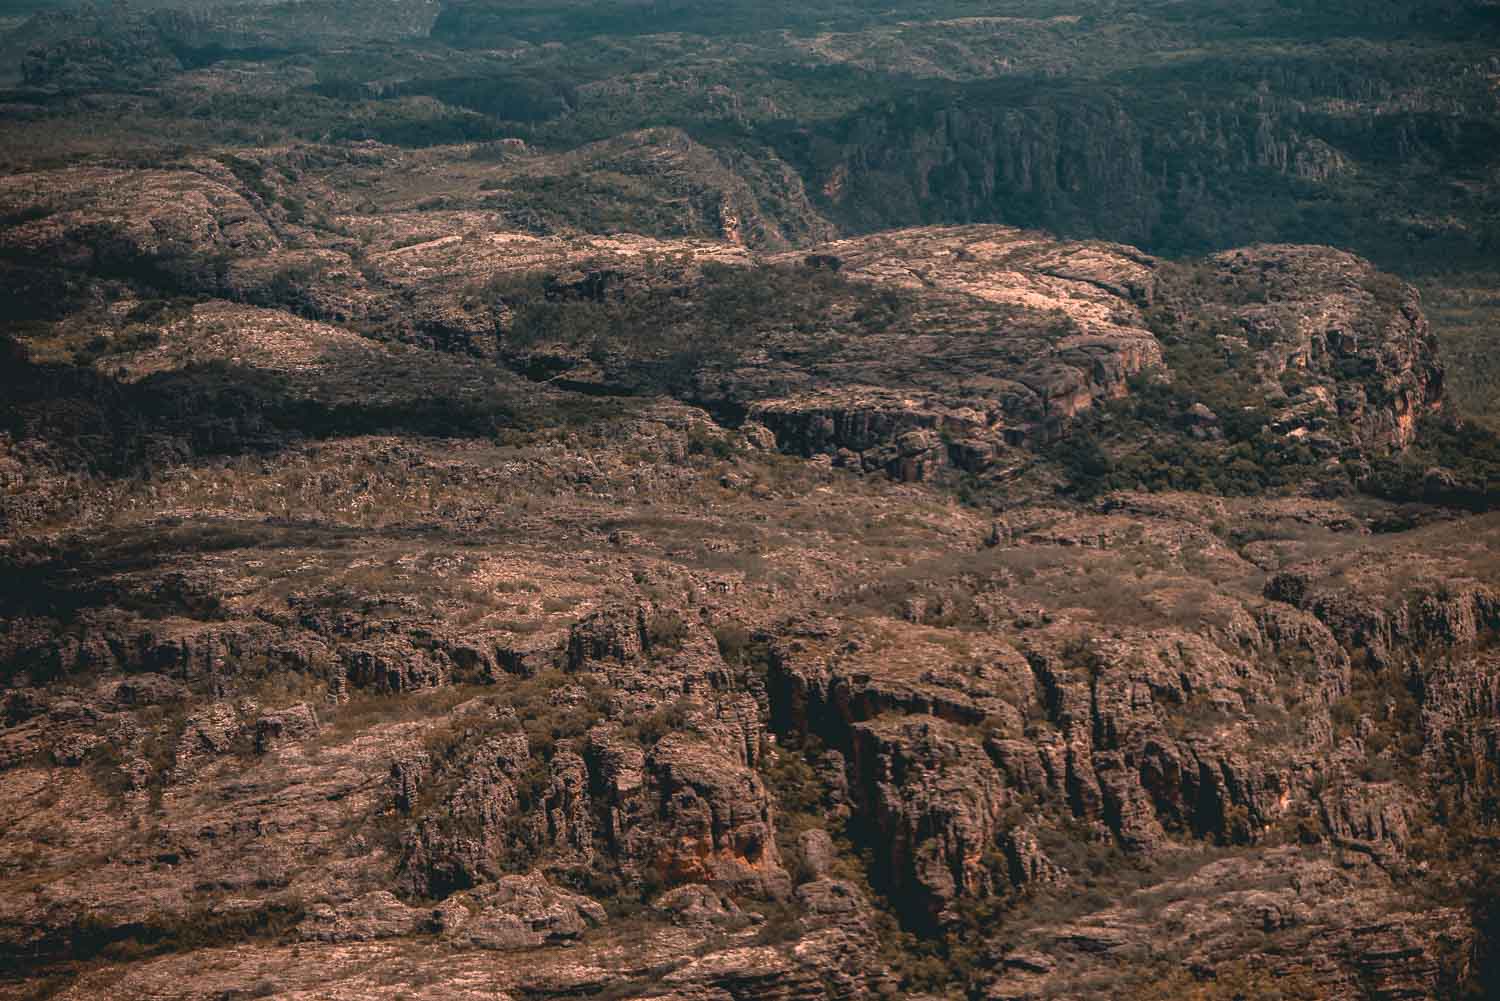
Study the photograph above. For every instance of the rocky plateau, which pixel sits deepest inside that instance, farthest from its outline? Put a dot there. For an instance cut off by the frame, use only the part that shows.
(523, 569)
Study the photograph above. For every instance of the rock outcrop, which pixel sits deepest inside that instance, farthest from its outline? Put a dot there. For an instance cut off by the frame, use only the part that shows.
(402, 562)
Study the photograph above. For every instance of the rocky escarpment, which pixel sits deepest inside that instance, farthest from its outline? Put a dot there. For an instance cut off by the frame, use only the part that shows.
(1181, 154)
(990, 731)
(1140, 735)
(1336, 355)
(1049, 159)
(1332, 343)
(634, 767)
(643, 679)
(931, 353)
(657, 182)
(409, 596)
(688, 807)
(1013, 335)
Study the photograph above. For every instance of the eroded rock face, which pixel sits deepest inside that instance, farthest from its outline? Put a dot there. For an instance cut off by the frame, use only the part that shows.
(749, 199)
(376, 915)
(414, 647)
(1105, 741)
(1355, 342)
(696, 904)
(940, 819)
(516, 912)
(969, 380)
(1383, 947)
(978, 747)
(1004, 338)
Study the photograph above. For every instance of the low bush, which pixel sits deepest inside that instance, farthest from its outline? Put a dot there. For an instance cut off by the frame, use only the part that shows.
(666, 632)
(657, 339)
(166, 933)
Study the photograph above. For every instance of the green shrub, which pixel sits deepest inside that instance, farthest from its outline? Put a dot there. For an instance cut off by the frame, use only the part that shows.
(734, 642)
(651, 728)
(657, 339)
(1238, 981)
(184, 932)
(666, 632)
